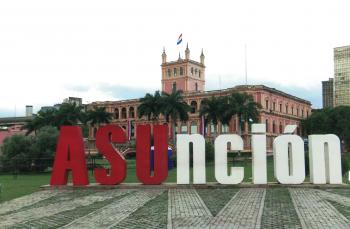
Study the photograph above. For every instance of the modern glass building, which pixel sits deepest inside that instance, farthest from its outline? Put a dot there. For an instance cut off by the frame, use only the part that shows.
(342, 76)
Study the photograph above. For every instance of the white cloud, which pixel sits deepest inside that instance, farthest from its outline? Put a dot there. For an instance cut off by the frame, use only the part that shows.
(46, 47)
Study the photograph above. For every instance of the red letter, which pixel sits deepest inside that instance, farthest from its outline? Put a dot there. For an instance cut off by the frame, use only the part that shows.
(104, 137)
(70, 155)
(143, 154)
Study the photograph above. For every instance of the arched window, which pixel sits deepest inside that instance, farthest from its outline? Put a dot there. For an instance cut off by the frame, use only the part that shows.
(196, 87)
(199, 73)
(280, 107)
(193, 107)
(174, 86)
(213, 128)
(194, 128)
(195, 71)
(273, 127)
(175, 71)
(181, 71)
(224, 128)
(297, 111)
(131, 112)
(292, 110)
(183, 128)
(286, 108)
(267, 104)
(267, 125)
(123, 113)
(191, 71)
(169, 72)
(302, 113)
(116, 113)
(281, 128)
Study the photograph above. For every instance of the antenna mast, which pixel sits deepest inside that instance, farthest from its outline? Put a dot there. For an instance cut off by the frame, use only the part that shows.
(245, 64)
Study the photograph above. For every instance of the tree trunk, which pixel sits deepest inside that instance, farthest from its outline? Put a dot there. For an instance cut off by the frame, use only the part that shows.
(174, 133)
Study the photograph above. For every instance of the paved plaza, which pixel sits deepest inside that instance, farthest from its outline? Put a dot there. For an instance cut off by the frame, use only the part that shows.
(277, 207)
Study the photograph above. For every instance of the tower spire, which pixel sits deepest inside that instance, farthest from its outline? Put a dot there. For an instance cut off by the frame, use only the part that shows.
(163, 56)
(187, 52)
(202, 57)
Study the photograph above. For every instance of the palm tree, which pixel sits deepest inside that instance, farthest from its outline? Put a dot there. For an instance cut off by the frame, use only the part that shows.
(243, 105)
(214, 109)
(98, 116)
(150, 106)
(43, 118)
(69, 114)
(174, 107)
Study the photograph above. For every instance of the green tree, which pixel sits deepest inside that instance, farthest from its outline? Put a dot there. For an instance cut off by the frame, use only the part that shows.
(29, 153)
(214, 109)
(69, 114)
(43, 147)
(174, 108)
(330, 121)
(98, 116)
(150, 106)
(243, 105)
(16, 152)
(43, 118)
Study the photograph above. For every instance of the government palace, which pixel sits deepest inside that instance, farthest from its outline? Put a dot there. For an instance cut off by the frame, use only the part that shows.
(278, 108)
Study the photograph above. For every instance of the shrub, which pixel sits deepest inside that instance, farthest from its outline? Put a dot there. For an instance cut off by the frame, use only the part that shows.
(27, 153)
(345, 164)
(209, 151)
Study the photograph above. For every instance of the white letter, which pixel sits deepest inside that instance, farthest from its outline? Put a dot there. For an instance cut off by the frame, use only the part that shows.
(325, 159)
(237, 173)
(289, 169)
(259, 154)
(183, 155)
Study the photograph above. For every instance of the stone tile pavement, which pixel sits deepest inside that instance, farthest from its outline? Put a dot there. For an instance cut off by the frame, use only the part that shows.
(278, 207)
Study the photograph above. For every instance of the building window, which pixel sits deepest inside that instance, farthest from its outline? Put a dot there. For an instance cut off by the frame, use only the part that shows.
(286, 109)
(280, 107)
(195, 71)
(273, 127)
(281, 128)
(302, 113)
(297, 111)
(196, 87)
(116, 113)
(131, 112)
(181, 71)
(191, 71)
(183, 128)
(193, 107)
(124, 113)
(274, 106)
(267, 125)
(267, 104)
(292, 110)
(224, 128)
(174, 86)
(194, 128)
(169, 72)
(199, 73)
(175, 71)
(212, 128)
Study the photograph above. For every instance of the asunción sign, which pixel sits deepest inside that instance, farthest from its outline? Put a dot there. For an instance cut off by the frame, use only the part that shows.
(288, 153)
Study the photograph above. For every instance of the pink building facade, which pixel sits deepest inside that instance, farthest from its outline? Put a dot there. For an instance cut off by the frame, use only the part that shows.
(278, 108)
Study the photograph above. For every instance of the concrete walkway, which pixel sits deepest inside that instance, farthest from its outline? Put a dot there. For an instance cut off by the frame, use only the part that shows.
(279, 207)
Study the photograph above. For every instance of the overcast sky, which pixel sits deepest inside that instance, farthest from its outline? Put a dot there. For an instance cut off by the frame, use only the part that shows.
(110, 50)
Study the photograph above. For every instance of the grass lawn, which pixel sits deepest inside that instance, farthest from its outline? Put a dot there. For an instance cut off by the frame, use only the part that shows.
(23, 184)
